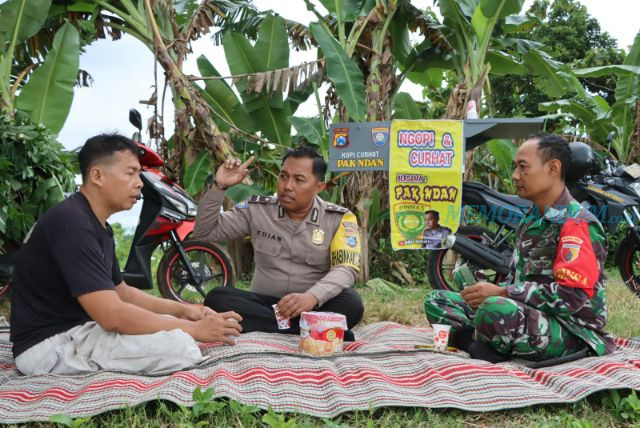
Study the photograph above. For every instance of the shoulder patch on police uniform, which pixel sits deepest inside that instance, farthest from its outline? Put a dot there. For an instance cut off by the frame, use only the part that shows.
(345, 246)
(259, 199)
(336, 208)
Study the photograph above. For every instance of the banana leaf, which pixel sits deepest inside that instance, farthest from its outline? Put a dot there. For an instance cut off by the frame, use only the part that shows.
(551, 77)
(343, 72)
(21, 19)
(405, 107)
(222, 100)
(310, 128)
(48, 94)
(269, 112)
(196, 174)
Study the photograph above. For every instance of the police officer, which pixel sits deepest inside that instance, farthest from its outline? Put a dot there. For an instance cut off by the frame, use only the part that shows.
(306, 251)
(433, 234)
(553, 302)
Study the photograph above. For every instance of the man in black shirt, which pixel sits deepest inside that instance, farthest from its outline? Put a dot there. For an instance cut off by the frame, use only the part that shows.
(71, 312)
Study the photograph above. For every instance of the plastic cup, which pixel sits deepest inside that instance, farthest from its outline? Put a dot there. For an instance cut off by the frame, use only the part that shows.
(283, 323)
(440, 336)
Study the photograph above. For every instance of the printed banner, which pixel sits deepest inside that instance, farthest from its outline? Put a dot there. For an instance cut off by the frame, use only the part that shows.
(425, 182)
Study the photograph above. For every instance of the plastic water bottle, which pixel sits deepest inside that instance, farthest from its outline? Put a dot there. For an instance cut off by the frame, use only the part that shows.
(472, 113)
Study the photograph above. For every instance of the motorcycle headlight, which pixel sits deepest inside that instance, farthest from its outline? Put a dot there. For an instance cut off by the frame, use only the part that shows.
(636, 187)
(180, 206)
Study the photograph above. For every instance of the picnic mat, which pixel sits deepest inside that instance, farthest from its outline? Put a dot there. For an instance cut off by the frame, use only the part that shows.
(380, 369)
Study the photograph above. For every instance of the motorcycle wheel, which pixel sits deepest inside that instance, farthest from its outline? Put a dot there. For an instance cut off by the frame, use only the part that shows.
(441, 263)
(209, 263)
(628, 262)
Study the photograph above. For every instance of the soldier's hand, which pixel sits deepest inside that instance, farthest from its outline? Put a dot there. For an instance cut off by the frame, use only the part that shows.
(232, 172)
(292, 305)
(216, 327)
(476, 294)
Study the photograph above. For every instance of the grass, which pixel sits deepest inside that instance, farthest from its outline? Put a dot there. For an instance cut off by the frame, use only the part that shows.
(598, 410)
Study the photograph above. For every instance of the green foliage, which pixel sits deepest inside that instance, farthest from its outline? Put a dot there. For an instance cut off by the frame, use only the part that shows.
(343, 72)
(48, 94)
(627, 408)
(271, 51)
(196, 174)
(310, 128)
(278, 420)
(122, 239)
(34, 175)
(405, 107)
(227, 108)
(569, 35)
(68, 421)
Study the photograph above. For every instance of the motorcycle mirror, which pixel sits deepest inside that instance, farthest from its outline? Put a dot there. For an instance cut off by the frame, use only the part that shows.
(135, 119)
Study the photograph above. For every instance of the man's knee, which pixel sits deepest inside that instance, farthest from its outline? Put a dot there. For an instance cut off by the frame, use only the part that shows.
(436, 300)
(219, 298)
(496, 316)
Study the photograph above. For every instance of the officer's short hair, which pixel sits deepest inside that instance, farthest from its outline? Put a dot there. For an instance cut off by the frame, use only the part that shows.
(319, 164)
(551, 146)
(100, 147)
(434, 213)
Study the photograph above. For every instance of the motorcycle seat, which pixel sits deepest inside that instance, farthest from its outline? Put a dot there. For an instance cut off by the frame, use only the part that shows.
(486, 191)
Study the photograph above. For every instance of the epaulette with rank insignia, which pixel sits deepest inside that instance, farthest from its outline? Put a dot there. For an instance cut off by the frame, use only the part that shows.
(259, 199)
(336, 208)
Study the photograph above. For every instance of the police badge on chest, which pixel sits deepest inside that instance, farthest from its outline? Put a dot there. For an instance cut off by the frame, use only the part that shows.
(317, 236)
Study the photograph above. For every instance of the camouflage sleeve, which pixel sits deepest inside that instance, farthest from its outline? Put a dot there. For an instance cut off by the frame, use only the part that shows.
(344, 256)
(577, 267)
(214, 226)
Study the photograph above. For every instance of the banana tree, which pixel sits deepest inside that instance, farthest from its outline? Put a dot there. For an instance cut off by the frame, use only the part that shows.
(46, 89)
(167, 28)
(593, 112)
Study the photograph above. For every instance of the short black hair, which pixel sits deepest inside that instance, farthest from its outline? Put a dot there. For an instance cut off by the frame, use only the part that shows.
(551, 146)
(319, 164)
(434, 213)
(102, 146)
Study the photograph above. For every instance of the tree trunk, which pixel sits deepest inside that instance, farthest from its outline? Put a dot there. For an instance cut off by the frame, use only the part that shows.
(195, 130)
(359, 188)
(457, 109)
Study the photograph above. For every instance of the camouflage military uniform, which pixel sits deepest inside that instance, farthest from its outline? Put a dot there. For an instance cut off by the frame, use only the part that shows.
(556, 301)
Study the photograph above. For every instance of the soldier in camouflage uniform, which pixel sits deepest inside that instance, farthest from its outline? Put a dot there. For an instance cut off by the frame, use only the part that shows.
(553, 301)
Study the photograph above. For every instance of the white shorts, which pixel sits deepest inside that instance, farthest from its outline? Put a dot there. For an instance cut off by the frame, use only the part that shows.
(88, 348)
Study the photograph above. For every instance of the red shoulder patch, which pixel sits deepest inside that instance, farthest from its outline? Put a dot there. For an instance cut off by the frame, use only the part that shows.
(576, 264)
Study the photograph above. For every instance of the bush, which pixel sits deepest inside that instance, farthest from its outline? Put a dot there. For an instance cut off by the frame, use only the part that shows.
(34, 175)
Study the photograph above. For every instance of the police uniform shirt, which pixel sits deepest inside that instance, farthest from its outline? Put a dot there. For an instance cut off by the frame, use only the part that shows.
(432, 238)
(320, 255)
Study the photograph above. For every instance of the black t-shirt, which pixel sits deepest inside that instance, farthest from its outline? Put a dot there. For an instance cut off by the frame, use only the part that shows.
(68, 254)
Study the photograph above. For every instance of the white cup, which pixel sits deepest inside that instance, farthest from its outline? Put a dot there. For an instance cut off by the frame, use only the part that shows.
(440, 336)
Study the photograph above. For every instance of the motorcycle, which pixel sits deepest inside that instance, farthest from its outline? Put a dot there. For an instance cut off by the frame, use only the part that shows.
(188, 269)
(610, 190)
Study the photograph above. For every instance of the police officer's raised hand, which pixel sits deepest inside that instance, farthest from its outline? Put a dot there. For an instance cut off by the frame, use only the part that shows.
(292, 305)
(232, 172)
(478, 293)
(216, 327)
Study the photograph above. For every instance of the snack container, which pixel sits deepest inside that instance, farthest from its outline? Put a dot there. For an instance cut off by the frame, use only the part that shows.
(322, 333)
